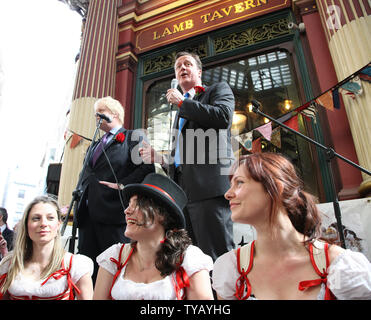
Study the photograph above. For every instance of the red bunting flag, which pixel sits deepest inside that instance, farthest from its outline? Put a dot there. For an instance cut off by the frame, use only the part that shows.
(256, 146)
(293, 123)
(75, 140)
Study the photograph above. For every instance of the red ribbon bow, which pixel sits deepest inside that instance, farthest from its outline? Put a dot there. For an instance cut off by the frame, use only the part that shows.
(182, 281)
(241, 283)
(316, 282)
(61, 273)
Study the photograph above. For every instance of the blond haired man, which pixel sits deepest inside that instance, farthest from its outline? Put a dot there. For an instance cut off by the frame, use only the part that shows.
(113, 164)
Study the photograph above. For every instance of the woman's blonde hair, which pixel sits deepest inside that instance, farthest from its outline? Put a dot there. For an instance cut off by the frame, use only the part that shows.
(23, 248)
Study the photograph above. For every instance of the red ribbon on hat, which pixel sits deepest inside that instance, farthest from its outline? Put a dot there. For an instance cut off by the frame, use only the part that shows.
(161, 190)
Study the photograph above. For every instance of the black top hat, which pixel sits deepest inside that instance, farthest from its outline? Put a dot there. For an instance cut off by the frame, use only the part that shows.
(164, 191)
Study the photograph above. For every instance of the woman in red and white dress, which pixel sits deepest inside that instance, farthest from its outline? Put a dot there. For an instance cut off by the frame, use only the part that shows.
(39, 268)
(160, 263)
(287, 261)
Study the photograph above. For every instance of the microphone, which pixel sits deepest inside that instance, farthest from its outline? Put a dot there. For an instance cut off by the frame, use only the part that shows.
(174, 83)
(104, 117)
(255, 105)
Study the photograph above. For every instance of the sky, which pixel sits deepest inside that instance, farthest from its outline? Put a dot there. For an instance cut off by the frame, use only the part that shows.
(39, 40)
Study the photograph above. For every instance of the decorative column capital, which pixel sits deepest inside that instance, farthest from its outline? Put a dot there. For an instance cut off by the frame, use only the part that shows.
(126, 60)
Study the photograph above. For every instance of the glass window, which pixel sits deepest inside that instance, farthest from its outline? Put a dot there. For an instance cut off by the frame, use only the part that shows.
(21, 193)
(160, 115)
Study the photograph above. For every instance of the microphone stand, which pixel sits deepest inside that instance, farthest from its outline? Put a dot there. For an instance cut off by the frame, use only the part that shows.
(330, 154)
(77, 193)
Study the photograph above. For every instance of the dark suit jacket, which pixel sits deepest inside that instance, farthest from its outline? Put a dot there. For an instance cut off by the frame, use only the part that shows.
(205, 152)
(8, 236)
(104, 202)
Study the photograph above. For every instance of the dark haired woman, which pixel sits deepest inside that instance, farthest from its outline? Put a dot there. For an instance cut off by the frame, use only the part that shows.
(160, 263)
(287, 260)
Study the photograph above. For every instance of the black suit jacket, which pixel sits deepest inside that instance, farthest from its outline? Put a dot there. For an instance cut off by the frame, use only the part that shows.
(104, 202)
(206, 151)
(8, 236)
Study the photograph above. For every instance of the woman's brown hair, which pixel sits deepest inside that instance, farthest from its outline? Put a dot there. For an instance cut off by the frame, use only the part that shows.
(170, 255)
(280, 180)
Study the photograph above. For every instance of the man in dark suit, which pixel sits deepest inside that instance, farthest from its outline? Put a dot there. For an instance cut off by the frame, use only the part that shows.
(5, 233)
(115, 162)
(201, 154)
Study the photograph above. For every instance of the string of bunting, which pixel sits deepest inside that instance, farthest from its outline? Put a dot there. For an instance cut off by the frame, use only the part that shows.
(76, 138)
(350, 86)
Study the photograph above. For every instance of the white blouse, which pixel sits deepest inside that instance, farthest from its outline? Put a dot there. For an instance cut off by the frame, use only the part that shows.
(25, 286)
(194, 261)
(349, 276)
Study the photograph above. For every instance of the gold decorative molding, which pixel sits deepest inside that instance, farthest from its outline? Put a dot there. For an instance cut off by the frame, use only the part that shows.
(166, 61)
(251, 36)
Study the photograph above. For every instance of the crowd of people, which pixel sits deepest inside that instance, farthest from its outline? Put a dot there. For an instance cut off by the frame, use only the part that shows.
(156, 236)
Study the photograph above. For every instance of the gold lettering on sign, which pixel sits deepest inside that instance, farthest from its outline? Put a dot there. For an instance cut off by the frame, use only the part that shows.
(249, 3)
(221, 13)
(227, 11)
(216, 15)
(205, 17)
(185, 25)
(236, 8)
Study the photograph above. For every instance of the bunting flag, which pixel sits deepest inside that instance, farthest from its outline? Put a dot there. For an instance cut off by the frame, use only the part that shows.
(245, 140)
(330, 100)
(335, 98)
(352, 87)
(303, 107)
(75, 140)
(256, 146)
(285, 117)
(310, 111)
(276, 137)
(293, 123)
(365, 74)
(265, 130)
(326, 100)
(347, 93)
